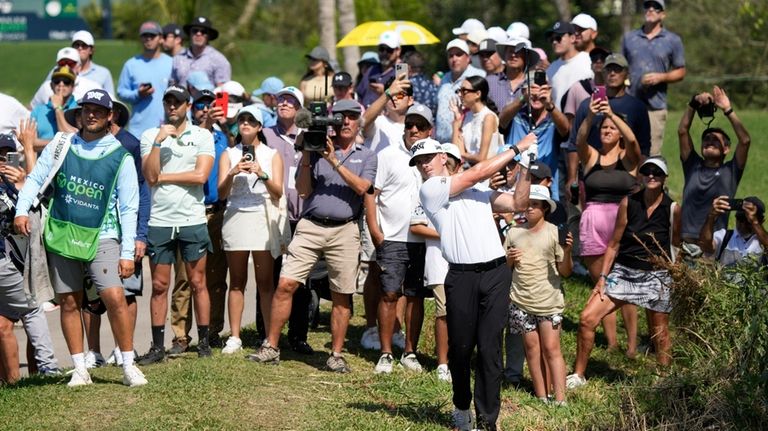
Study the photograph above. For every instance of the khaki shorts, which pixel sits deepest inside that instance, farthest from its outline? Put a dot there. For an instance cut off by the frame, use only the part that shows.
(438, 290)
(339, 244)
(658, 121)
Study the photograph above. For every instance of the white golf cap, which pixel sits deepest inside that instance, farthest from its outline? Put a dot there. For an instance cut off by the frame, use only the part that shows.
(657, 161)
(292, 91)
(424, 146)
(518, 30)
(584, 21)
(231, 87)
(498, 34)
(83, 36)
(458, 43)
(452, 150)
(468, 26)
(477, 36)
(68, 53)
(390, 39)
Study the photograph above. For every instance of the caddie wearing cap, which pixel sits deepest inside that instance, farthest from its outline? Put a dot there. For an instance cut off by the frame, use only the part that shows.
(477, 285)
(90, 228)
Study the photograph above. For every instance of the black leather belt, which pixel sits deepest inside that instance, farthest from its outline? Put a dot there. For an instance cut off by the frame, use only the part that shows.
(215, 207)
(325, 221)
(478, 267)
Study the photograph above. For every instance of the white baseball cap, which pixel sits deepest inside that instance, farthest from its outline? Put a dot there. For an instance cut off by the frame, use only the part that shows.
(232, 87)
(68, 53)
(518, 30)
(253, 110)
(292, 91)
(477, 36)
(390, 39)
(452, 150)
(83, 36)
(468, 26)
(497, 33)
(584, 21)
(458, 43)
(424, 146)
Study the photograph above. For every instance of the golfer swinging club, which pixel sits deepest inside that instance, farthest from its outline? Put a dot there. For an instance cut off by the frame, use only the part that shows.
(478, 280)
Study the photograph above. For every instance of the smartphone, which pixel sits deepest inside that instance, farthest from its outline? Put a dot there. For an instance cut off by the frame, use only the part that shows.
(562, 234)
(249, 153)
(401, 69)
(735, 204)
(503, 172)
(599, 93)
(222, 101)
(147, 84)
(13, 159)
(540, 77)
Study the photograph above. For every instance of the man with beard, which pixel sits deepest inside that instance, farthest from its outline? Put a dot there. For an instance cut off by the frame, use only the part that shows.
(90, 228)
(372, 85)
(173, 39)
(332, 183)
(586, 32)
(144, 79)
(200, 55)
(177, 159)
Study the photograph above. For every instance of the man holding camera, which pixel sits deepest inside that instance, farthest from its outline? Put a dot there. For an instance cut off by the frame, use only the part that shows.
(708, 175)
(177, 162)
(731, 246)
(91, 227)
(332, 183)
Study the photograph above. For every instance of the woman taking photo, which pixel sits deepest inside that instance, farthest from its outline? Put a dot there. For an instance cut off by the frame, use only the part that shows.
(648, 223)
(251, 179)
(316, 84)
(476, 133)
(609, 176)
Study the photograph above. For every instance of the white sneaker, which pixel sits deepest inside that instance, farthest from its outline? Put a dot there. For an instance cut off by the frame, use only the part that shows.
(410, 362)
(385, 364)
(115, 358)
(93, 360)
(79, 378)
(133, 377)
(398, 339)
(573, 381)
(443, 373)
(370, 339)
(233, 345)
(462, 420)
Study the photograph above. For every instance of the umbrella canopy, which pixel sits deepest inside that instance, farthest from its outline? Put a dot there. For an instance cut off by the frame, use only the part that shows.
(367, 34)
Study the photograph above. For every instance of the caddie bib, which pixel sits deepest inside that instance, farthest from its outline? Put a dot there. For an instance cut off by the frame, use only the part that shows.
(81, 193)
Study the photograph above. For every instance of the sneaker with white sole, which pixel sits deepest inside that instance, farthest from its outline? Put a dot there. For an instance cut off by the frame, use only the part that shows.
(410, 362)
(266, 354)
(133, 377)
(398, 339)
(337, 364)
(80, 377)
(462, 420)
(443, 373)
(370, 339)
(385, 364)
(93, 360)
(115, 358)
(234, 345)
(573, 381)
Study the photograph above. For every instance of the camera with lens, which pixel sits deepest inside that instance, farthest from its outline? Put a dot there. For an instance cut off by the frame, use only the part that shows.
(705, 110)
(316, 135)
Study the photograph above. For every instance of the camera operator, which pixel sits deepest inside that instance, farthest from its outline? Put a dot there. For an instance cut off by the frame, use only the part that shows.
(708, 175)
(729, 246)
(332, 183)
(14, 303)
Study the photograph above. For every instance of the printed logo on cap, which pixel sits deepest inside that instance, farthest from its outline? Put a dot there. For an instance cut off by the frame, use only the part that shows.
(94, 95)
(201, 20)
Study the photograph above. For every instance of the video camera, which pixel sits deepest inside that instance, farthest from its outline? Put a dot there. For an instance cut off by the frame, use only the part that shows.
(316, 135)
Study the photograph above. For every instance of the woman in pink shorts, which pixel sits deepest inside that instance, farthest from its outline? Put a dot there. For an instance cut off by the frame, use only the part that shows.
(609, 177)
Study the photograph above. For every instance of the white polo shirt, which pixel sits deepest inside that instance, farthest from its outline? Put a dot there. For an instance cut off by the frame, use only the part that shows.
(435, 265)
(399, 193)
(385, 133)
(737, 248)
(465, 223)
(177, 205)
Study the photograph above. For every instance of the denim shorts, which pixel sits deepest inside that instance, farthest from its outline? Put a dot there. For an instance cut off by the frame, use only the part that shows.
(402, 268)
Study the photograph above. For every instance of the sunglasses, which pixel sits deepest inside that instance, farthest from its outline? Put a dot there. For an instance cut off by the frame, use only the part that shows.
(250, 119)
(613, 68)
(149, 36)
(420, 125)
(65, 81)
(80, 45)
(289, 100)
(196, 30)
(69, 63)
(653, 6)
(656, 172)
(463, 91)
(198, 106)
(556, 39)
(386, 49)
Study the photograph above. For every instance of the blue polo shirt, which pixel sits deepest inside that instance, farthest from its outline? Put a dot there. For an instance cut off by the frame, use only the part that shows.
(211, 187)
(147, 112)
(45, 116)
(660, 54)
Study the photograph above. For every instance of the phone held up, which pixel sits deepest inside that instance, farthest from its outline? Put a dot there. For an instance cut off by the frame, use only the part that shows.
(401, 69)
(735, 204)
(13, 159)
(222, 101)
(599, 94)
(249, 153)
(540, 77)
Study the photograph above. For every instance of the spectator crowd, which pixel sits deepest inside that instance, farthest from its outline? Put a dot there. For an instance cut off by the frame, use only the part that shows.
(480, 187)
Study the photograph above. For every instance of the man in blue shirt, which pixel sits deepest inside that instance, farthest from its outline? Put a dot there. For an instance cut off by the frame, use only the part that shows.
(144, 79)
(656, 58)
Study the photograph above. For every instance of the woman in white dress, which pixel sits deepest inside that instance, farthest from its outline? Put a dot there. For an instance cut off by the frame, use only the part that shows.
(476, 126)
(251, 179)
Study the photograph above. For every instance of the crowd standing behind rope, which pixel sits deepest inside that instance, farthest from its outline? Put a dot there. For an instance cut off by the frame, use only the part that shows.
(481, 187)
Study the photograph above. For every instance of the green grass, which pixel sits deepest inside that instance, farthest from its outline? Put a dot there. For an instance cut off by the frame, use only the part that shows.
(251, 62)
(232, 393)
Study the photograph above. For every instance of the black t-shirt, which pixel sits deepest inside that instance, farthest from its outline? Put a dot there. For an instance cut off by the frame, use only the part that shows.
(702, 186)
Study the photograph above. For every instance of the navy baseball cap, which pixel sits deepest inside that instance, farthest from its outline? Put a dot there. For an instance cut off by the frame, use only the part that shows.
(96, 97)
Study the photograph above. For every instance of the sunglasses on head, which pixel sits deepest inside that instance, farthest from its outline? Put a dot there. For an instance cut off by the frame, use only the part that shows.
(656, 172)
(65, 81)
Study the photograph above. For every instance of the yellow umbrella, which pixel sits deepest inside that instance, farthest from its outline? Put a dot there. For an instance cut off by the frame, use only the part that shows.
(367, 34)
